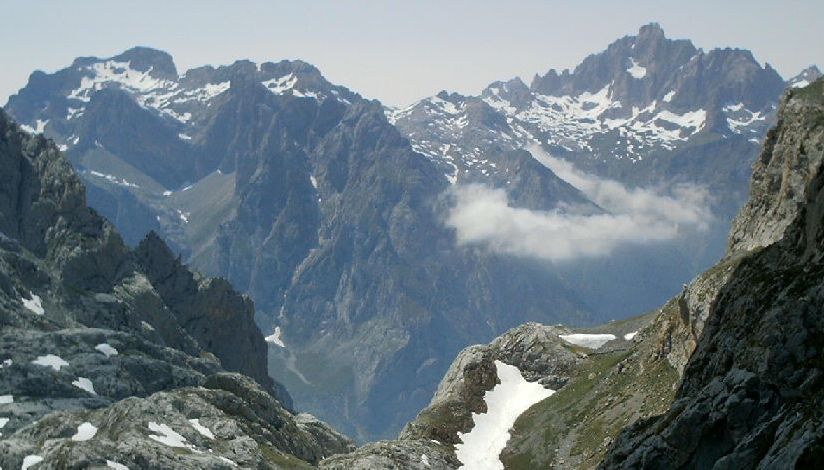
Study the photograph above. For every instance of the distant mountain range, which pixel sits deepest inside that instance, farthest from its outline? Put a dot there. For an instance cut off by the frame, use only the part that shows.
(336, 214)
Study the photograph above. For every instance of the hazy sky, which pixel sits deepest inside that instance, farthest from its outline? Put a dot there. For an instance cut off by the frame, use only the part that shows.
(396, 51)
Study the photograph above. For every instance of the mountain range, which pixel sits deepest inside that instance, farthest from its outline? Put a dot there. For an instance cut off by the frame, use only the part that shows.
(351, 224)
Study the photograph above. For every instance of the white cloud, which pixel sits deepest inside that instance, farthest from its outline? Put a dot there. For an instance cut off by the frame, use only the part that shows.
(483, 216)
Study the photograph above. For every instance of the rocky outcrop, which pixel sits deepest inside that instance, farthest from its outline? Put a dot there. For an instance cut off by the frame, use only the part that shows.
(228, 422)
(395, 455)
(109, 354)
(750, 395)
(209, 309)
(536, 350)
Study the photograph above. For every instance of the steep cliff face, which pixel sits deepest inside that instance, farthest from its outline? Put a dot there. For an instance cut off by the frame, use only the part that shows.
(751, 391)
(209, 310)
(99, 341)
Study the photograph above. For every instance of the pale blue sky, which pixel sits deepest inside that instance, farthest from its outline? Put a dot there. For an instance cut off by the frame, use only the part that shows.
(391, 50)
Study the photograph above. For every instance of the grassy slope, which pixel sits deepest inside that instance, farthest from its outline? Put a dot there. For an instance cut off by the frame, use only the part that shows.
(574, 427)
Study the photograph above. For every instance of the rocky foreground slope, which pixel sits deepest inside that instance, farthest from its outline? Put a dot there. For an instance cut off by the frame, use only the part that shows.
(124, 358)
(725, 375)
(751, 395)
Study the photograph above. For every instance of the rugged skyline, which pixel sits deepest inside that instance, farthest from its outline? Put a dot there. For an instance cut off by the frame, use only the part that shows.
(399, 53)
(307, 197)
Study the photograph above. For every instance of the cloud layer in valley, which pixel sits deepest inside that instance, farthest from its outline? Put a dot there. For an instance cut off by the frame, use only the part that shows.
(483, 216)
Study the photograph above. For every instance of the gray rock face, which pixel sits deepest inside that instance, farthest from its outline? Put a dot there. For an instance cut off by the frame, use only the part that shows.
(779, 185)
(209, 309)
(750, 395)
(94, 332)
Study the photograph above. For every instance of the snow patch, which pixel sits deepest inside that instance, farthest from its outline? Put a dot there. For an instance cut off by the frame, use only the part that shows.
(6, 399)
(184, 216)
(167, 436)
(84, 384)
(84, 432)
(282, 84)
(50, 360)
(230, 462)
(34, 304)
(114, 179)
(425, 460)
(592, 341)
(39, 127)
(314, 181)
(694, 119)
(106, 349)
(183, 136)
(668, 97)
(479, 449)
(275, 338)
(630, 336)
(203, 430)
(121, 74)
(74, 112)
(115, 465)
(209, 91)
(30, 461)
(636, 70)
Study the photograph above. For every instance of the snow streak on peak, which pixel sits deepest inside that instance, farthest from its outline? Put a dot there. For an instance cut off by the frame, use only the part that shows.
(636, 70)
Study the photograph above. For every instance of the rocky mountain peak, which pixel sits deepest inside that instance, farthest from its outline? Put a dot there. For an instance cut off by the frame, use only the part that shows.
(514, 90)
(650, 32)
(647, 57)
(153, 61)
(805, 77)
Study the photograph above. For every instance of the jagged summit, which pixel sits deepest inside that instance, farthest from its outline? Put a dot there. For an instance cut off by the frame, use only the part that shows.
(141, 58)
(618, 109)
(55, 103)
(806, 77)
